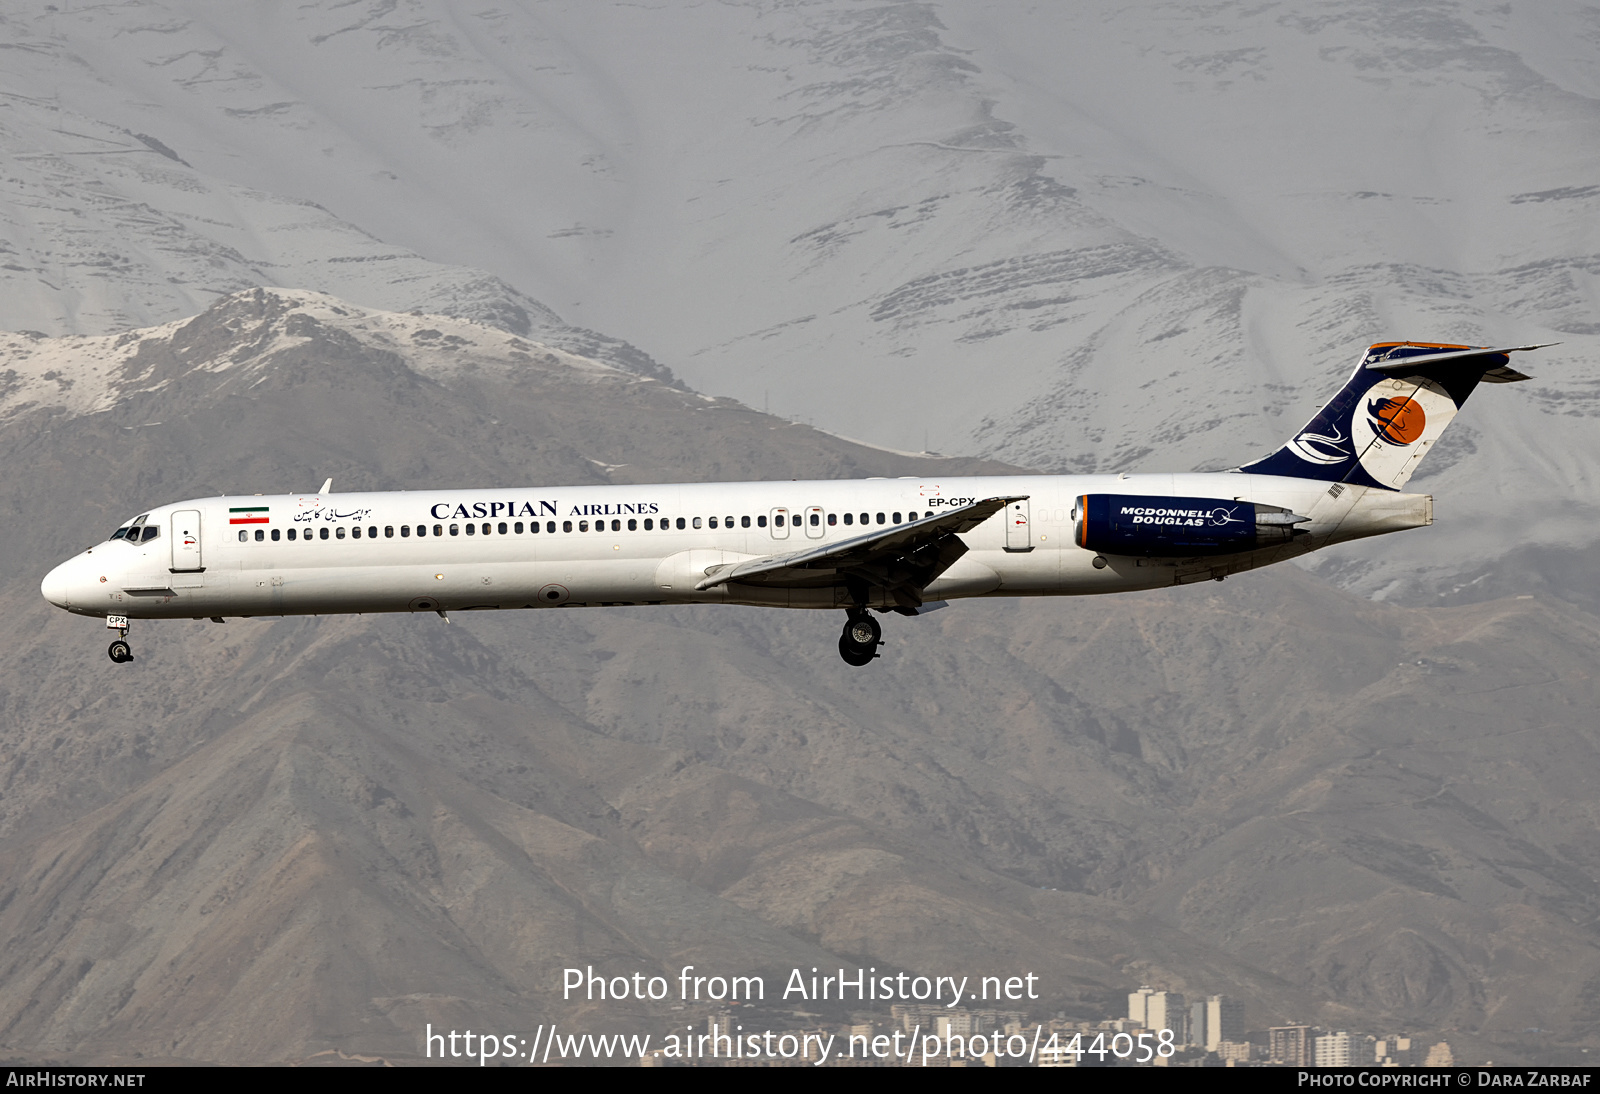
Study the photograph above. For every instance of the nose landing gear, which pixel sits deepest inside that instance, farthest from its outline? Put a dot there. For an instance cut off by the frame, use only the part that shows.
(119, 651)
(862, 636)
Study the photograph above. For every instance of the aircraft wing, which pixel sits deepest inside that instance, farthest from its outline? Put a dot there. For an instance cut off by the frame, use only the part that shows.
(904, 557)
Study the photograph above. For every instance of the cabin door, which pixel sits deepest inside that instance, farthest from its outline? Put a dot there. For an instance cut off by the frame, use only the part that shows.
(188, 559)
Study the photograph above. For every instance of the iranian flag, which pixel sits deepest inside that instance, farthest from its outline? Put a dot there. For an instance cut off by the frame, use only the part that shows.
(256, 514)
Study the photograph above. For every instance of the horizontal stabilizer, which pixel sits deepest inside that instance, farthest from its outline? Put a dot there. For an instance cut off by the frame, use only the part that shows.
(1495, 363)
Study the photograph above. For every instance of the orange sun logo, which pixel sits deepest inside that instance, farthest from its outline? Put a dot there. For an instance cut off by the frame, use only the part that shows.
(1397, 421)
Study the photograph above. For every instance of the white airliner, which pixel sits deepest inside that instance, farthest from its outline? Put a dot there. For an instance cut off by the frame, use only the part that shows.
(902, 545)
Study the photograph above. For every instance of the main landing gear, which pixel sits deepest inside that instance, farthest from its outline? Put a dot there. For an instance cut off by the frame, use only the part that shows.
(861, 638)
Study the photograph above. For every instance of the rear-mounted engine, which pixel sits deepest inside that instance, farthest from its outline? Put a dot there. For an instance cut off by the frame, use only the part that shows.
(1129, 524)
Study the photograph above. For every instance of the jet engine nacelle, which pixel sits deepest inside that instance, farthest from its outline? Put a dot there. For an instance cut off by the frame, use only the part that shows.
(1163, 527)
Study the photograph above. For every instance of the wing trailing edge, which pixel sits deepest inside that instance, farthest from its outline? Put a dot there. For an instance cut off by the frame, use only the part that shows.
(903, 559)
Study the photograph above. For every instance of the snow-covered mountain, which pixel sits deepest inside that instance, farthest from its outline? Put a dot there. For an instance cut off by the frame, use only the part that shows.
(1070, 236)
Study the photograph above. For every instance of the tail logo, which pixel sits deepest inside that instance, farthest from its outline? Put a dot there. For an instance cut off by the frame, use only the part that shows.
(1320, 448)
(1397, 421)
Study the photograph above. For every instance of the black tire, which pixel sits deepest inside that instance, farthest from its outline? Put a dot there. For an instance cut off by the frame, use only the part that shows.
(853, 654)
(863, 632)
(119, 651)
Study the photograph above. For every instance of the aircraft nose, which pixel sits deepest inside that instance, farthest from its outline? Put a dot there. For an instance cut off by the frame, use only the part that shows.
(56, 585)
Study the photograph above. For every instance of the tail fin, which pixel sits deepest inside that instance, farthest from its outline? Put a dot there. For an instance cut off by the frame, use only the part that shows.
(1398, 401)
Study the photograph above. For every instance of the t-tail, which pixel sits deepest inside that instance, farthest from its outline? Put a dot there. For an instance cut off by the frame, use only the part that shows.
(1389, 413)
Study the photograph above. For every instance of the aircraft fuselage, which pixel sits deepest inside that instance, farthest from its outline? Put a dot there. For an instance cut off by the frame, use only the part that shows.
(462, 550)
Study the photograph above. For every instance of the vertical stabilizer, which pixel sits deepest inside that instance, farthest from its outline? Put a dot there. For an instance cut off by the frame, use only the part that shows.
(1387, 416)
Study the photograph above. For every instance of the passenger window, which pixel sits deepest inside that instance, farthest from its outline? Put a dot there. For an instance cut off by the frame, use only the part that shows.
(697, 522)
(438, 529)
(777, 520)
(649, 524)
(728, 522)
(849, 518)
(487, 526)
(338, 533)
(680, 524)
(583, 526)
(276, 535)
(761, 521)
(455, 529)
(880, 518)
(291, 535)
(633, 525)
(566, 526)
(517, 527)
(388, 531)
(405, 531)
(833, 519)
(744, 522)
(616, 526)
(816, 520)
(472, 529)
(244, 537)
(322, 533)
(502, 528)
(712, 523)
(897, 518)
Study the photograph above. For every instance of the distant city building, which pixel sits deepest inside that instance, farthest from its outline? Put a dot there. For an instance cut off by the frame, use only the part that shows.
(1332, 1050)
(1440, 1056)
(1165, 1010)
(1235, 1051)
(1289, 1045)
(1197, 1024)
(1057, 1056)
(1138, 1005)
(1224, 1021)
(1394, 1051)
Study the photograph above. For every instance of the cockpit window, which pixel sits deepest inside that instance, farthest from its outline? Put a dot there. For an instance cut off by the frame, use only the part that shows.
(136, 532)
(151, 531)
